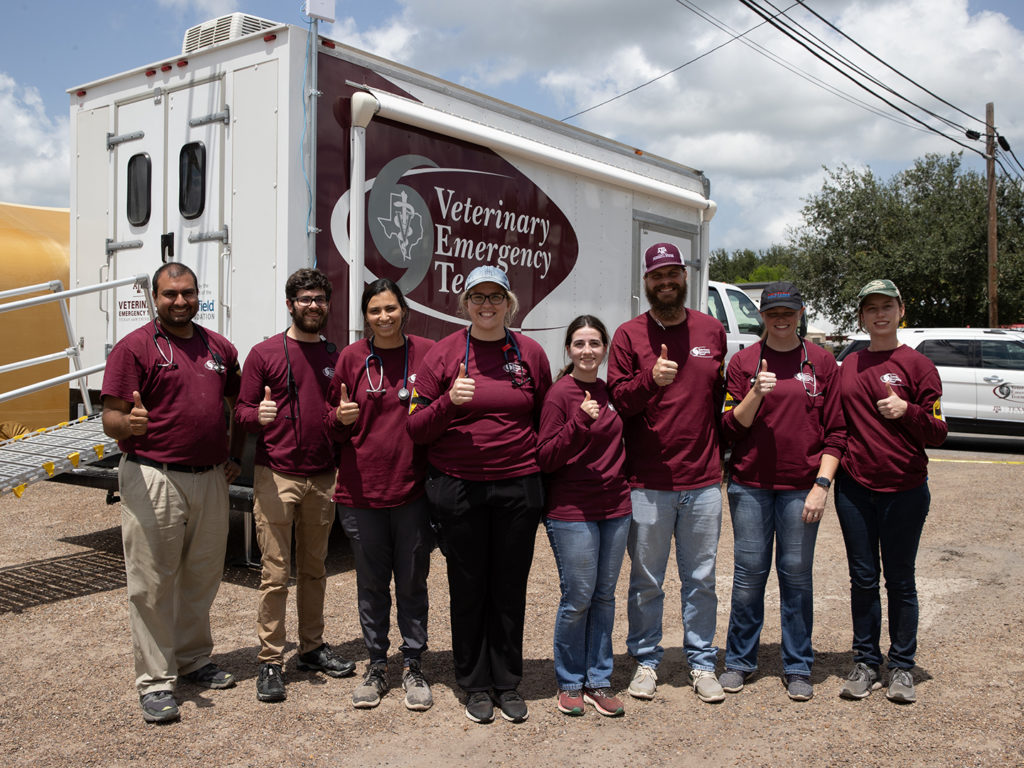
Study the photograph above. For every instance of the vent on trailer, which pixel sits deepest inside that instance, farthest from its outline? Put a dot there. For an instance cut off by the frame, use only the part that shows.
(230, 27)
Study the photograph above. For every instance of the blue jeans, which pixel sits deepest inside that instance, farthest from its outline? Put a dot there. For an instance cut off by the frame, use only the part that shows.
(694, 517)
(764, 520)
(589, 557)
(891, 523)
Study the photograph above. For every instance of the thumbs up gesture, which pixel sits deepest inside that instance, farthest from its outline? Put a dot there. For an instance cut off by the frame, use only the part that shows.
(348, 411)
(664, 370)
(462, 388)
(590, 407)
(268, 409)
(138, 416)
(891, 406)
(765, 381)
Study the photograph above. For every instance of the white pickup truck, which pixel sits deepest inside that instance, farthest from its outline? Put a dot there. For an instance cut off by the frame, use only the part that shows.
(737, 312)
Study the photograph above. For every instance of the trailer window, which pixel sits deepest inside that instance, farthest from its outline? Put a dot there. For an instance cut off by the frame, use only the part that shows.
(139, 176)
(192, 180)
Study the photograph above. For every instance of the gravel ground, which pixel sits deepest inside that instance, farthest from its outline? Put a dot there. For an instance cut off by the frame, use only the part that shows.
(66, 695)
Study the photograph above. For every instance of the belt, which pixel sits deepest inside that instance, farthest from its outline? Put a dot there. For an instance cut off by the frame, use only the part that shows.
(195, 469)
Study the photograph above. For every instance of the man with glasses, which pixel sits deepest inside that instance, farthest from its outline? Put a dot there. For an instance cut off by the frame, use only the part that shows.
(665, 376)
(164, 391)
(284, 388)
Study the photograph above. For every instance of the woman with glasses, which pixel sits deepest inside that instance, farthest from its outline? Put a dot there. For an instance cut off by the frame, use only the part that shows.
(475, 406)
(587, 518)
(891, 399)
(784, 420)
(380, 490)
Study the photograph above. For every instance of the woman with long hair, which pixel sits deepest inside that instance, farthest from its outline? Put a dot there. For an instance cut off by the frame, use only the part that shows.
(380, 490)
(587, 518)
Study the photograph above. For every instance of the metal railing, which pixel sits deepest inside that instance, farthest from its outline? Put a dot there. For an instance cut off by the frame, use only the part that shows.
(71, 352)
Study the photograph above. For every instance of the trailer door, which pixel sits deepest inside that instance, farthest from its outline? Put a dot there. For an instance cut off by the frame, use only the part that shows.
(169, 197)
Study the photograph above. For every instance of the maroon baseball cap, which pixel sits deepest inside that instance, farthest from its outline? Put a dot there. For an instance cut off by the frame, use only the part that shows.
(661, 255)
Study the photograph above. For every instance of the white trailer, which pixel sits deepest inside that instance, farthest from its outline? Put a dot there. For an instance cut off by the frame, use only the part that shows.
(259, 150)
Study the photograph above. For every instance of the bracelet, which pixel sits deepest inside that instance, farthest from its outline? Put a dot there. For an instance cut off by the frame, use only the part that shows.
(824, 482)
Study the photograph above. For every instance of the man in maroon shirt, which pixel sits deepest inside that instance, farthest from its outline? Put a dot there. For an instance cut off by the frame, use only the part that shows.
(163, 394)
(282, 400)
(665, 376)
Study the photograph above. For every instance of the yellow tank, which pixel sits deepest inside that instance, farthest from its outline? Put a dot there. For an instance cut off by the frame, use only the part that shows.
(33, 249)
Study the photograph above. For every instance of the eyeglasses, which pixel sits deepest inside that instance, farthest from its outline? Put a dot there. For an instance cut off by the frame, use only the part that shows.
(494, 298)
(305, 301)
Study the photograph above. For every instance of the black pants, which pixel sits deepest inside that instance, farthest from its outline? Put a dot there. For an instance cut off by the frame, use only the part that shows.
(488, 530)
(384, 542)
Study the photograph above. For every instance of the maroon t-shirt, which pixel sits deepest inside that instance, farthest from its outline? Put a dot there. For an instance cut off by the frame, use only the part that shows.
(183, 389)
(493, 436)
(584, 456)
(378, 464)
(888, 454)
(671, 432)
(783, 446)
(296, 442)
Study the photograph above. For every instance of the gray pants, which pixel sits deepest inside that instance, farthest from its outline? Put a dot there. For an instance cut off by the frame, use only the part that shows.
(394, 541)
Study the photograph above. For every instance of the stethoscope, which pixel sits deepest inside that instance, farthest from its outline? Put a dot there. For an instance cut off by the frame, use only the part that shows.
(515, 372)
(812, 392)
(170, 365)
(403, 393)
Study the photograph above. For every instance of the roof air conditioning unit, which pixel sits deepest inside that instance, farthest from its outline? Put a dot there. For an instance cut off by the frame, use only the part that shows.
(230, 27)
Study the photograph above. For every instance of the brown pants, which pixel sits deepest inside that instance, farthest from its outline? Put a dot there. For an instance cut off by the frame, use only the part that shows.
(281, 500)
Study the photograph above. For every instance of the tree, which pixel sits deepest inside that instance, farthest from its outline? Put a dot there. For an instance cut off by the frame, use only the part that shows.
(925, 229)
(745, 266)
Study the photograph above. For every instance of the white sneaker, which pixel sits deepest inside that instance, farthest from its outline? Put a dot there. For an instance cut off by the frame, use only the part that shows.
(644, 683)
(706, 685)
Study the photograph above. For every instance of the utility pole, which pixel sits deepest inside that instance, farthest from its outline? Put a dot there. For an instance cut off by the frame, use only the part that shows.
(990, 169)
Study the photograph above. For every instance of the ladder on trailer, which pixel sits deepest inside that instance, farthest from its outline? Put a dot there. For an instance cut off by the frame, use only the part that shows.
(48, 452)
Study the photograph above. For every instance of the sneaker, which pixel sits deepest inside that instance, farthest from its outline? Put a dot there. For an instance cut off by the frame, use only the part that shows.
(375, 684)
(417, 691)
(901, 687)
(210, 676)
(732, 680)
(706, 685)
(861, 681)
(644, 682)
(604, 702)
(159, 707)
(480, 707)
(322, 659)
(512, 706)
(270, 683)
(571, 702)
(799, 687)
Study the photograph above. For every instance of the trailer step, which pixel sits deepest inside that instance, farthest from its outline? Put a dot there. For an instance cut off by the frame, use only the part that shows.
(47, 452)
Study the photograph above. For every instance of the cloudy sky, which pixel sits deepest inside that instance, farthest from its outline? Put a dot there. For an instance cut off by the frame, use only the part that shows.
(760, 130)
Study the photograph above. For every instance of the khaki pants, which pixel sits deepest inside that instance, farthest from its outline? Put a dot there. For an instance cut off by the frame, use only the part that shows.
(175, 527)
(281, 500)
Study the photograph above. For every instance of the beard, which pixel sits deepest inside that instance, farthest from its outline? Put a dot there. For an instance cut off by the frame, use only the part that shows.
(671, 307)
(309, 320)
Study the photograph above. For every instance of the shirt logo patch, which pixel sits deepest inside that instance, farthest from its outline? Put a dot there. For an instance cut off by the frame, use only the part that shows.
(329, 373)
(704, 352)
(891, 378)
(213, 365)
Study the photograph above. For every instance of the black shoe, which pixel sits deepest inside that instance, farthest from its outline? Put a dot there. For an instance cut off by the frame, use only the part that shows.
(322, 659)
(480, 707)
(159, 707)
(270, 683)
(210, 676)
(513, 708)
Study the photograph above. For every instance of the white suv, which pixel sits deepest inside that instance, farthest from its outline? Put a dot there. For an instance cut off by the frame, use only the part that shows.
(982, 372)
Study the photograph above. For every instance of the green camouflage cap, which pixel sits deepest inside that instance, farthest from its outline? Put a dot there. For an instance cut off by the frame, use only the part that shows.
(884, 287)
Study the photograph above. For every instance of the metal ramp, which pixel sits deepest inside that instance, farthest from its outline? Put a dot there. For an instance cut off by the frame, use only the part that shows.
(45, 453)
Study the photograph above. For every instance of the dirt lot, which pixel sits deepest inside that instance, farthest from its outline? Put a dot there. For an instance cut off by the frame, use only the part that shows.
(66, 695)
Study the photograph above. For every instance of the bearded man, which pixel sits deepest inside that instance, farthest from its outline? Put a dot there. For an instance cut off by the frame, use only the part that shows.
(284, 389)
(665, 373)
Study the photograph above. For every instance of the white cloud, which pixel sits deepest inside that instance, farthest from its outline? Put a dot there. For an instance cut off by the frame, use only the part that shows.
(34, 150)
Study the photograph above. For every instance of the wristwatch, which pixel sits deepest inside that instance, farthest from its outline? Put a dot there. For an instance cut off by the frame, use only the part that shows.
(824, 482)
